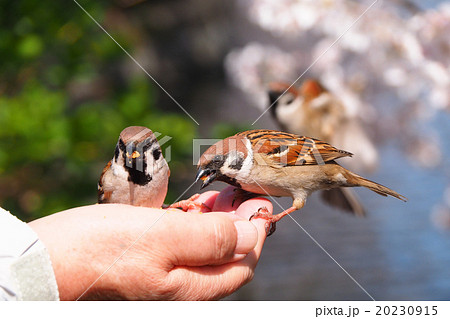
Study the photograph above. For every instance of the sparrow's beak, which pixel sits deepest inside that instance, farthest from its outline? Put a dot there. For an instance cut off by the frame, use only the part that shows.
(273, 96)
(206, 175)
(132, 156)
(135, 154)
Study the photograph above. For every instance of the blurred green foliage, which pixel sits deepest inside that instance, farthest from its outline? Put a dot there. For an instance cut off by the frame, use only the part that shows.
(66, 92)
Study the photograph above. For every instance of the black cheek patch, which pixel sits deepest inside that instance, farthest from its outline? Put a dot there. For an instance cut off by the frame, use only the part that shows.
(156, 154)
(237, 163)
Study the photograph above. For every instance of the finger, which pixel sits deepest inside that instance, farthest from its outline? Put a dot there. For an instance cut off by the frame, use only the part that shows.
(206, 239)
(205, 202)
(246, 210)
(215, 282)
(224, 202)
(209, 282)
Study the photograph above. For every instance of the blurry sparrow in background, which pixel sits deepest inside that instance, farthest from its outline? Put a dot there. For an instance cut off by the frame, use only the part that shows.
(138, 174)
(275, 163)
(312, 110)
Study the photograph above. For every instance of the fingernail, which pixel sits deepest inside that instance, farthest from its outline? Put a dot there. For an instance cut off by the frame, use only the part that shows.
(247, 236)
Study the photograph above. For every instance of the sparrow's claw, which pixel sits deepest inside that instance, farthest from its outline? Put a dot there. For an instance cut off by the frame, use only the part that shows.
(264, 213)
(272, 228)
(194, 206)
(191, 204)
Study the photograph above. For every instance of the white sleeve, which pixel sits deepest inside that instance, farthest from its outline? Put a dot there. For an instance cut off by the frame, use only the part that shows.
(26, 271)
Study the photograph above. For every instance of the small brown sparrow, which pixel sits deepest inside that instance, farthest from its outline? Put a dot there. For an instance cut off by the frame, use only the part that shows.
(138, 174)
(312, 110)
(275, 163)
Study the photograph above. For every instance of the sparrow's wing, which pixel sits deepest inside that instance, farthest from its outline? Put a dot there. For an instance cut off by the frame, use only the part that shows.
(102, 196)
(284, 149)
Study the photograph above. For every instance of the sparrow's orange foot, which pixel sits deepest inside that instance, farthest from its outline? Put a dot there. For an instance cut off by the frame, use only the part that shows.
(264, 213)
(190, 204)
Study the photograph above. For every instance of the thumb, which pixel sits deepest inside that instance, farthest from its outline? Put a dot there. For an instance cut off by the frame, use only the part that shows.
(214, 282)
(207, 239)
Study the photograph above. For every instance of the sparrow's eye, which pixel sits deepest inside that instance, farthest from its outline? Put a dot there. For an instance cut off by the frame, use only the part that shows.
(116, 153)
(216, 162)
(156, 153)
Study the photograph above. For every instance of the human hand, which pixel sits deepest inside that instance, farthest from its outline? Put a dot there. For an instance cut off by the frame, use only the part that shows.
(113, 251)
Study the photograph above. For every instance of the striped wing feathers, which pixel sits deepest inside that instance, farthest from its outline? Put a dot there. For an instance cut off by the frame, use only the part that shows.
(287, 149)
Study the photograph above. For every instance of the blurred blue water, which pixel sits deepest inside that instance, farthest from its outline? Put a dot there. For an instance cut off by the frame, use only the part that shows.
(396, 253)
(428, 3)
(416, 251)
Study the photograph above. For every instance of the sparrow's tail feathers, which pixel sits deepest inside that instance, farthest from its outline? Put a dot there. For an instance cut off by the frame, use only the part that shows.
(345, 199)
(377, 188)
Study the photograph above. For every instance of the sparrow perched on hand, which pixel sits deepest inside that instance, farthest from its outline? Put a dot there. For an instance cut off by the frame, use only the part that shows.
(314, 111)
(275, 163)
(138, 174)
